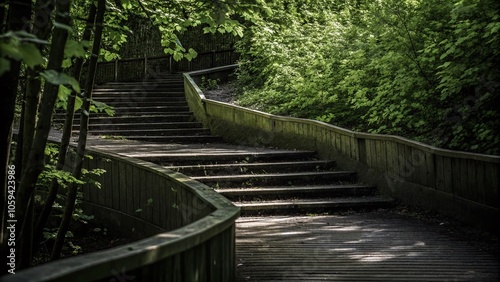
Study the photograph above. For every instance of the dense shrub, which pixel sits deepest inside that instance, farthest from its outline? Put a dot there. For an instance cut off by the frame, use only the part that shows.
(426, 70)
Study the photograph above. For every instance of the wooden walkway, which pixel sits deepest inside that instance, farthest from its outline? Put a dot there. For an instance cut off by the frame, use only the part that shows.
(360, 247)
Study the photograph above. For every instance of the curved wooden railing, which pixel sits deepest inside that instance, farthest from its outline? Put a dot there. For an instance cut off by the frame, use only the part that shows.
(186, 231)
(460, 184)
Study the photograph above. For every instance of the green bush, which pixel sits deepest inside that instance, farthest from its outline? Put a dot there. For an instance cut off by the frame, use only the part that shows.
(422, 69)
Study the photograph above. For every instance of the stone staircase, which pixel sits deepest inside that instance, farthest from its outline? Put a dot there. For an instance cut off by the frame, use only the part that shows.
(259, 180)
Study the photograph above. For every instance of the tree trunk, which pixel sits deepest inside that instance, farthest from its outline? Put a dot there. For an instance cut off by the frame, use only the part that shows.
(41, 29)
(66, 137)
(18, 11)
(35, 163)
(82, 138)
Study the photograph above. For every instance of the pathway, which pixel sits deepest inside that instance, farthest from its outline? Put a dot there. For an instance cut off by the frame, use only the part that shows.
(377, 246)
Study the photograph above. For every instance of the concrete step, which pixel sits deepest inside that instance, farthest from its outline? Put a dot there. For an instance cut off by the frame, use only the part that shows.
(154, 132)
(178, 139)
(270, 179)
(216, 157)
(313, 205)
(284, 192)
(245, 168)
(148, 125)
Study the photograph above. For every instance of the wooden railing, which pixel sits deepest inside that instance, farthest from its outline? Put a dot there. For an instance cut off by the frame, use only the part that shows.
(147, 67)
(186, 231)
(460, 184)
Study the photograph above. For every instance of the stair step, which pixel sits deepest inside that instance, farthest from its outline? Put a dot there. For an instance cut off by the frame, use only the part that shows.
(135, 119)
(138, 94)
(178, 139)
(241, 168)
(151, 125)
(286, 192)
(122, 115)
(249, 180)
(137, 99)
(219, 157)
(313, 205)
(154, 132)
(146, 103)
(151, 109)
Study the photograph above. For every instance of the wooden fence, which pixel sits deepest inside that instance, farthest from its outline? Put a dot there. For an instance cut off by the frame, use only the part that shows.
(187, 230)
(150, 67)
(460, 184)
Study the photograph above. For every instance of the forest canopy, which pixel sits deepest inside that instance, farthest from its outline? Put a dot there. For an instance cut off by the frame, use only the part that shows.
(422, 69)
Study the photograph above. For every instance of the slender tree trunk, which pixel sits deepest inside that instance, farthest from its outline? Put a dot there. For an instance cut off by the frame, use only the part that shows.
(19, 11)
(66, 137)
(82, 138)
(35, 163)
(41, 29)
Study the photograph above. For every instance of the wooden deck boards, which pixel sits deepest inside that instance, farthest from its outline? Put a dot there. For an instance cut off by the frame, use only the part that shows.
(359, 247)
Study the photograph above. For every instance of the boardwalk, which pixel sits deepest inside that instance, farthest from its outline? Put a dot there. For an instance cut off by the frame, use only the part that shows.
(359, 247)
(378, 246)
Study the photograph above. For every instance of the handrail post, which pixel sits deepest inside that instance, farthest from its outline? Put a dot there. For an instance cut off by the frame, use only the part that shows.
(116, 70)
(213, 59)
(145, 67)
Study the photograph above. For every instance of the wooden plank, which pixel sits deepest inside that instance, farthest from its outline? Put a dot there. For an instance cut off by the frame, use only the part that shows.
(156, 185)
(108, 190)
(480, 182)
(144, 194)
(162, 204)
(491, 172)
(369, 152)
(116, 184)
(123, 187)
(465, 174)
(439, 173)
(430, 170)
(139, 195)
(149, 193)
(100, 193)
(129, 186)
(346, 143)
(448, 175)
(354, 148)
(417, 160)
(457, 178)
(375, 154)
(87, 193)
(470, 166)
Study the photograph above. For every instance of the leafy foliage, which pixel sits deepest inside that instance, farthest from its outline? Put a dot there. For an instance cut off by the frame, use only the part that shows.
(416, 68)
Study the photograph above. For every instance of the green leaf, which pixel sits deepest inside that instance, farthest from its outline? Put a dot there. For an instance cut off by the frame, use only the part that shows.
(78, 103)
(62, 26)
(57, 78)
(63, 95)
(30, 54)
(74, 49)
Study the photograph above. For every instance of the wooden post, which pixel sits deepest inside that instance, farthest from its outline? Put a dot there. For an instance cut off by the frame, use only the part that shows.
(213, 59)
(116, 70)
(145, 67)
